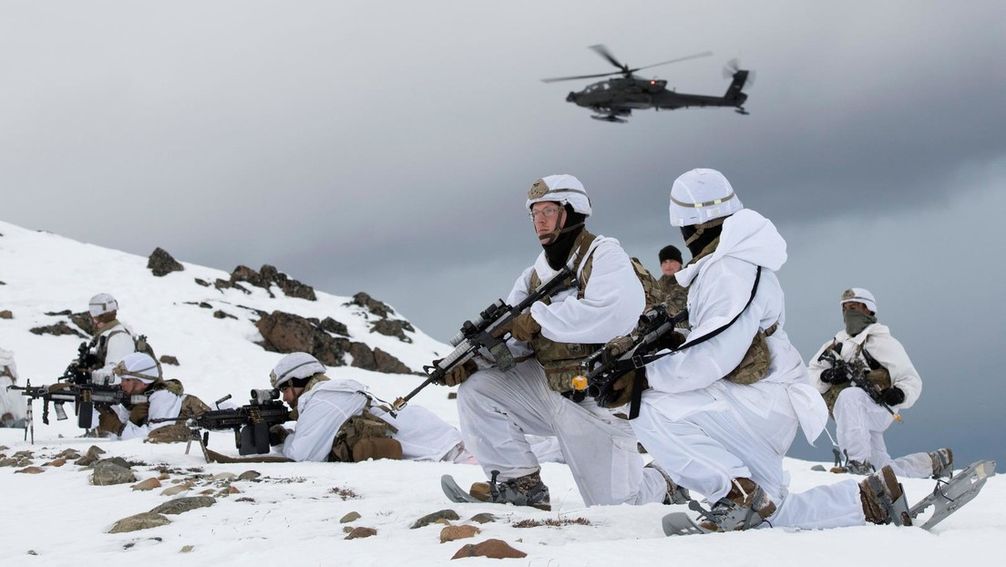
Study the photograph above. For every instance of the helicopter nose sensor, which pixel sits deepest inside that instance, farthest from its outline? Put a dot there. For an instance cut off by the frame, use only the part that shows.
(571, 97)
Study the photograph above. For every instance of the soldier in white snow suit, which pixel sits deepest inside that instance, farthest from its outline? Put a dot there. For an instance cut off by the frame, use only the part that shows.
(12, 405)
(717, 420)
(499, 409)
(113, 340)
(860, 420)
(337, 421)
(152, 398)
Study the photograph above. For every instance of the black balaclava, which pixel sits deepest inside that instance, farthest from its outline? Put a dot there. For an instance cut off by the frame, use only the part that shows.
(557, 253)
(697, 242)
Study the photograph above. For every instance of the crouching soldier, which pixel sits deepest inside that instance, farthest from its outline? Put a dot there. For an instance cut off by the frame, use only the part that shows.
(338, 421)
(152, 399)
(890, 380)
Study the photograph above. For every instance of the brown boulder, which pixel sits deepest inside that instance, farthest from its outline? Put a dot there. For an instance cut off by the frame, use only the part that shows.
(393, 328)
(452, 533)
(350, 517)
(358, 533)
(6, 314)
(60, 328)
(491, 548)
(160, 263)
(30, 470)
(441, 516)
(149, 484)
(143, 521)
(267, 276)
(378, 308)
(168, 359)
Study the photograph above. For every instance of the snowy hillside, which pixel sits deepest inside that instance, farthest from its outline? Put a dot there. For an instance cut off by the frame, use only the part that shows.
(291, 514)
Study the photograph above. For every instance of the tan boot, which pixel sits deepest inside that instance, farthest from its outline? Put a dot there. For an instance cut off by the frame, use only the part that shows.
(883, 499)
(744, 507)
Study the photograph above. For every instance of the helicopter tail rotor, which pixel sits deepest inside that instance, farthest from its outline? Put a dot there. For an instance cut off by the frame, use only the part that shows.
(731, 69)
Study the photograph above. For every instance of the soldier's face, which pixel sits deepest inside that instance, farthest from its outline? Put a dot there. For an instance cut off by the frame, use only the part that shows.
(132, 386)
(291, 395)
(670, 267)
(855, 306)
(548, 217)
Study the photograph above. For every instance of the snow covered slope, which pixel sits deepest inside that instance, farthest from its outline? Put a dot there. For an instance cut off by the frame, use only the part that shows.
(291, 515)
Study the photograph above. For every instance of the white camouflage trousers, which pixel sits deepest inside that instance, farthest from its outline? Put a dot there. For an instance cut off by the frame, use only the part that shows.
(704, 442)
(499, 409)
(861, 423)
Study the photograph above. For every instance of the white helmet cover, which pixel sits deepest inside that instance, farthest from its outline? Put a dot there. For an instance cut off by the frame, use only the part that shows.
(101, 304)
(563, 189)
(860, 295)
(702, 195)
(138, 366)
(297, 365)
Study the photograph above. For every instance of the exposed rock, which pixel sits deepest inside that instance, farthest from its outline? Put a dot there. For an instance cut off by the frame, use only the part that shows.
(201, 282)
(60, 328)
(90, 457)
(6, 314)
(30, 470)
(184, 504)
(244, 499)
(68, 454)
(267, 276)
(358, 533)
(143, 521)
(491, 548)
(350, 517)
(393, 328)
(483, 518)
(224, 476)
(168, 359)
(177, 489)
(228, 490)
(84, 322)
(207, 492)
(56, 462)
(451, 533)
(25, 454)
(186, 549)
(332, 326)
(249, 475)
(161, 263)
(388, 364)
(62, 313)
(221, 314)
(452, 395)
(148, 484)
(116, 461)
(224, 284)
(439, 516)
(108, 472)
(376, 307)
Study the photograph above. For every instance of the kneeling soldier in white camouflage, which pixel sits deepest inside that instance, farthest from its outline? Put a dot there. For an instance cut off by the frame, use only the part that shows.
(499, 409)
(892, 384)
(154, 407)
(338, 421)
(720, 415)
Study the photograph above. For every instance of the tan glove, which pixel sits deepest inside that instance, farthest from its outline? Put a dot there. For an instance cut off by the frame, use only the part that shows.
(621, 390)
(138, 413)
(524, 327)
(108, 422)
(880, 378)
(460, 373)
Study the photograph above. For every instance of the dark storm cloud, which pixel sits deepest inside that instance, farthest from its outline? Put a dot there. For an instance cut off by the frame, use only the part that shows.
(387, 146)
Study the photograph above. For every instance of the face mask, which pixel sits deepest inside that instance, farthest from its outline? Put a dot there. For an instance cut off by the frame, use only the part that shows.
(856, 321)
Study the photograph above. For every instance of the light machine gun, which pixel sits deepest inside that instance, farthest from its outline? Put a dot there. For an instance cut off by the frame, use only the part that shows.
(625, 354)
(855, 373)
(484, 333)
(250, 422)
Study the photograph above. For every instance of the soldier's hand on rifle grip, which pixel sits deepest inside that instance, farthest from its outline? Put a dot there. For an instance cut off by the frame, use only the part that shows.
(670, 341)
(892, 396)
(524, 327)
(879, 378)
(460, 373)
(138, 413)
(833, 376)
(278, 434)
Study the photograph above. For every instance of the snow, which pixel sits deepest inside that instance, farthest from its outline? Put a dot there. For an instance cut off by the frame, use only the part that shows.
(58, 518)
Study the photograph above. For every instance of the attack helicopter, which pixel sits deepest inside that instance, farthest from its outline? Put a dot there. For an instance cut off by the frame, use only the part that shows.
(613, 100)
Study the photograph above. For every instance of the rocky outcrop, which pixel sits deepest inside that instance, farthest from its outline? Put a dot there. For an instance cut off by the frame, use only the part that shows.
(168, 359)
(6, 314)
(378, 308)
(438, 517)
(160, 263)
(60, 328)
(384, 324)
(267, 276)
(142, 521)
(285, 332)
(491, 548)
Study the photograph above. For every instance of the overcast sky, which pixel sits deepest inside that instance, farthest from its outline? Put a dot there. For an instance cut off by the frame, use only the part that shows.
(388, 147)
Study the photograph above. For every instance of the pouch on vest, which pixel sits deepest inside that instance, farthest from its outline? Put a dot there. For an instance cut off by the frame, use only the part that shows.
(757, 360)
(363, 437)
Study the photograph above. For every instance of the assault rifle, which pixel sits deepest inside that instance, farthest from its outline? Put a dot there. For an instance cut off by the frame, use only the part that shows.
(74, 385)
(250, 422)
(624, 354)
(855, 373)
(483, 332)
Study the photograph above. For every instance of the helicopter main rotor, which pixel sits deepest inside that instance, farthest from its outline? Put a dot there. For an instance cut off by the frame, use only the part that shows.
(624, 69)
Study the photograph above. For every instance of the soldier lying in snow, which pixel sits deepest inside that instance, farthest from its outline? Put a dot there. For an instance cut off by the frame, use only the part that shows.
(338, 421)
